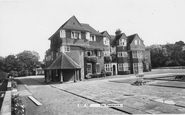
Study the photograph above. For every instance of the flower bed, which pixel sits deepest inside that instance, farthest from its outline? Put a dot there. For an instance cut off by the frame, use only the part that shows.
(17, 106)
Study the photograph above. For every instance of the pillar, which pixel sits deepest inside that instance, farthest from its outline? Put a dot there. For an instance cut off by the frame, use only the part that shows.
(75, 76)
(61, 76)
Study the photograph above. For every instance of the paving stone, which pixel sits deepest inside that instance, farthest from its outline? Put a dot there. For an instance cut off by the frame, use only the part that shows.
(169, 102)
(153, 111)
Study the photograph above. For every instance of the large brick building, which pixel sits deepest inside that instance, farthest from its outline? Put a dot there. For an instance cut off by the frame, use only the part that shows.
(77, 49)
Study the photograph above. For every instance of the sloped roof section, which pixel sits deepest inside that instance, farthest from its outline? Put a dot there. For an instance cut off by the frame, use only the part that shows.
(95, 45)
(117, 37)
(90, 29)
(131, 37)
(73, 24)
(64, 62)
(105, 33)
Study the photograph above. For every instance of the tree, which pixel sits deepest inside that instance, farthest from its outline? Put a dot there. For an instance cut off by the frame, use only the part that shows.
(28, 60)
(158, 55)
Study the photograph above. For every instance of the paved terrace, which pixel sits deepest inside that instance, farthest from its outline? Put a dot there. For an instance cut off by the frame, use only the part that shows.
(153, 98)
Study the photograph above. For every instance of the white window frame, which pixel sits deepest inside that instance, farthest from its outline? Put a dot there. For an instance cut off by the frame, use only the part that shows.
(122, 54)
(99, 68)
(135, 42)
(107, 67)
(93, 38)
(90, 68)
(90, 53)
(67, 48)
(88, 36)
(120, 67)
(106, 41)
(106, 53)
(75, 33)
(62, 33)
(122, 42)
(140, 67)
(134, 54)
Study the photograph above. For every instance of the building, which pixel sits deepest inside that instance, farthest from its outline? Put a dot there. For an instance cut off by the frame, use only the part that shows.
(76, 50)
(131, 56)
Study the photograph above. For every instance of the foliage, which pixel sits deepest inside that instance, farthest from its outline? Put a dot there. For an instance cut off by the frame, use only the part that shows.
(91, 59)
(167, 55)
(17, 106)
(24, 63)
(108, 73)
(107, 59)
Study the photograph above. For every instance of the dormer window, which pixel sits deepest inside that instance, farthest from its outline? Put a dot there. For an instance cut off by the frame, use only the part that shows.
(76, 34)
(122, 42)
(93, 38)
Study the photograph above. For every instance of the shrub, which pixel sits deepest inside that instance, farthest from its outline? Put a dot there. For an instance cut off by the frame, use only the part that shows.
(108, 73)
(17, 106)
(95, 75)
(14, 84)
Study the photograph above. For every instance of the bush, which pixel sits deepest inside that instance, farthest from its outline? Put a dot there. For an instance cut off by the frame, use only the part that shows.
(95, 75)
(14, 84)
(17, 106)
(108, 73)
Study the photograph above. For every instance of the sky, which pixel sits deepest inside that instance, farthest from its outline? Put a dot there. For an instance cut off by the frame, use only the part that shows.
(27, 24)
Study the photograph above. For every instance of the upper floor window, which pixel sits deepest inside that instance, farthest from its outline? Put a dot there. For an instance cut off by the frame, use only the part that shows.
(137, 42)
(106, 41)
(122, 54)
(122, 42)
(89, 53)
(88, 35)
(106, 53)
(62, 33)
(67, 48)
(93, 38)
(76, 34)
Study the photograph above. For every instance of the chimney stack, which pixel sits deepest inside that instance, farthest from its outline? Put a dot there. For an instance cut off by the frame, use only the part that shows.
(118, 31)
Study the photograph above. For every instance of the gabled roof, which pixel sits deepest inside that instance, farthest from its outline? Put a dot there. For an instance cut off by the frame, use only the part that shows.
(105, 33)
(117, 37)
(64, 62)
(87, 27)
(72, 24)
(131, 37)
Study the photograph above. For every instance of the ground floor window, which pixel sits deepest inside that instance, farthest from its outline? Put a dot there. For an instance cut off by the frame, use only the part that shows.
(123, 67)
(89, 68)
(107, 67)
(138, 68)
(97, 68)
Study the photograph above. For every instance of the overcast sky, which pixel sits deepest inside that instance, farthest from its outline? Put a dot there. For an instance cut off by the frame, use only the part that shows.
(27, 24)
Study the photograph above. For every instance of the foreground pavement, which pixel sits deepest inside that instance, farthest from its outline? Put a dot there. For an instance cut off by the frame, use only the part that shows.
(152, 98)
(55, 101)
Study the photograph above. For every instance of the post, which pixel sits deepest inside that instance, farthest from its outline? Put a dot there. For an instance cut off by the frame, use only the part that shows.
(75, 76)
(61, 76)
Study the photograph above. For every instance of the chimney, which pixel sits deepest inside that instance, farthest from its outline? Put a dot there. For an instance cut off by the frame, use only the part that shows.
(118, 31)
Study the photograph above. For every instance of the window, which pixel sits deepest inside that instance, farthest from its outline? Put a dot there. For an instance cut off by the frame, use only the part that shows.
(139, 54)
(76, 34)
(123, 67)
(52, 55)
(140, 67)
(93, 38)
(107, 67)
(135, 68)
(67, 48)
(135, 42)
(62, 33)
(106, 40)
(134, 54)
(122, 42)
(89, 53)
(106, 53)
(97, 68)
(89, 68)
(122, 54)
(88, 35)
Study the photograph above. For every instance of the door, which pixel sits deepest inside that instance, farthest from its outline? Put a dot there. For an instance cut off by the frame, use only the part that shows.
(114, 70)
